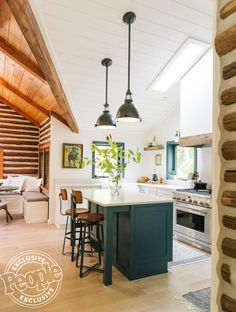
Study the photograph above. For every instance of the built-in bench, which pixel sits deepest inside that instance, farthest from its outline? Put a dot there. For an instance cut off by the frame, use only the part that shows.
(35, 207)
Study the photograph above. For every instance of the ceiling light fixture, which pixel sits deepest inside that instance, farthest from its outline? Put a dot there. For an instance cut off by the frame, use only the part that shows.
(189, 53)
(106, 121)
(128, 111)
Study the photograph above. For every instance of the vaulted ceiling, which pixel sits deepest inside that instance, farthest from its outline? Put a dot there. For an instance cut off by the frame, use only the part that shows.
(23, 85)
(82, 33)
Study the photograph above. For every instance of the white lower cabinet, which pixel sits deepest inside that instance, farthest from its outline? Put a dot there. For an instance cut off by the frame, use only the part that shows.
(148, 190)
(165, 193)
(155, 190)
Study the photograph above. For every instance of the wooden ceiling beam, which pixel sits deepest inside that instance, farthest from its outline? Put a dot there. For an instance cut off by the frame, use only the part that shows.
(24, 97)
(24, 16)
(21, 59)
(19, 111)
(61, 119)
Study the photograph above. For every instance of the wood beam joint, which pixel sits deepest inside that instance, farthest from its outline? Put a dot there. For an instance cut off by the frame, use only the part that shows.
(24, 97)
(21, 59)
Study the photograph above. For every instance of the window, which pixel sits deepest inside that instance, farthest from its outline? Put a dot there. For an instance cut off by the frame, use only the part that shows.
(180, 159)
(97, 172)
(44, 167)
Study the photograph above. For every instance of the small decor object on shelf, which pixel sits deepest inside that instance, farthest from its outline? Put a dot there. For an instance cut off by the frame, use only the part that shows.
(72, 155)
(177, 136)
(158, 159)
(154, 143)
(106, 160)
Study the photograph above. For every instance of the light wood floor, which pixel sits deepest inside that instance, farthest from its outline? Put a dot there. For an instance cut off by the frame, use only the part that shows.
(157, 293)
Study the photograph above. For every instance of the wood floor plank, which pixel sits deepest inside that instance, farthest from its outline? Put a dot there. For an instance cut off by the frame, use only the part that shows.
(156, 293)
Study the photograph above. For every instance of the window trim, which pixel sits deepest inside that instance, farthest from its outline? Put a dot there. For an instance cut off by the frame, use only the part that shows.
(104, 143)
(171, 158)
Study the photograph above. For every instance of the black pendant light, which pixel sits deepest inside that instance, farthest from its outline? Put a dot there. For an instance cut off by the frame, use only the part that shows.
(106, 121)
(128, 111)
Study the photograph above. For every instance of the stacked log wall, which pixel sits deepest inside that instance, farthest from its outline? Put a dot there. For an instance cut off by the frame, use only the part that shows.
(225, 44)
(19, 140)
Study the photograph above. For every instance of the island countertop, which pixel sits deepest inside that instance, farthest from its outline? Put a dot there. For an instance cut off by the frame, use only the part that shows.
(103, 197)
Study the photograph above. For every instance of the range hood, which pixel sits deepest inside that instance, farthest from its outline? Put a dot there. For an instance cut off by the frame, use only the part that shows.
(201, 140)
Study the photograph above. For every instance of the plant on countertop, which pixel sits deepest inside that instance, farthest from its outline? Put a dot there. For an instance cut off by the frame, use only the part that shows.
(173, 174)
(113, 161)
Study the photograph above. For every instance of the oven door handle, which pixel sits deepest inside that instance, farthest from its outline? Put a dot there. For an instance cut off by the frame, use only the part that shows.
(192, 209)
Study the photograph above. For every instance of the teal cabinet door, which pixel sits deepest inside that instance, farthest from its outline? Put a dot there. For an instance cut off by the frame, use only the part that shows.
(152, 236)
(143, 240)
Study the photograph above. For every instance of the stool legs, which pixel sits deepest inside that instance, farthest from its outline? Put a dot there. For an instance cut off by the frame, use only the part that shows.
(85, 228)
(64, 242)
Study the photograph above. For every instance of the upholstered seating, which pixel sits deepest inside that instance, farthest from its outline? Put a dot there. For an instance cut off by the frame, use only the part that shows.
(34, 197)
(35, 207)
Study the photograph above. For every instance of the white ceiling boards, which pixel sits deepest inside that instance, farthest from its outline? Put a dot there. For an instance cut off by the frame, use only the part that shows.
(81, 33)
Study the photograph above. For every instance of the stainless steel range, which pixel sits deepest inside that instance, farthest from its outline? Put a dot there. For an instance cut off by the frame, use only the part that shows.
(192, 217)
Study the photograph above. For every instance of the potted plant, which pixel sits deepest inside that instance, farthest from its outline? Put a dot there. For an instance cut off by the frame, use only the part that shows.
(173, 174)
(113, 161)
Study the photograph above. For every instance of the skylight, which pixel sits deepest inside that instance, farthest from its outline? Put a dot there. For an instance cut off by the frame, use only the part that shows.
(183, 60)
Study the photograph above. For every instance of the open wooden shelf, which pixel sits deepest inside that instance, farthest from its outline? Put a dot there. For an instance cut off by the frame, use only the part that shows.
(154, 148)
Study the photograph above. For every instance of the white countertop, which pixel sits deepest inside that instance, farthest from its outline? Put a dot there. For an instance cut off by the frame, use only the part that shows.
(127, 197)
(163, 186)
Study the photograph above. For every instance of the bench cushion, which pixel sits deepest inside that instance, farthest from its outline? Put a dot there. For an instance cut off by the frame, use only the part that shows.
(9, 193)
(34, 197)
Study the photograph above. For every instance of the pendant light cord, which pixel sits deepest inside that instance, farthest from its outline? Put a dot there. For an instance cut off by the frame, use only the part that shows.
(106, 104)
(128, 91)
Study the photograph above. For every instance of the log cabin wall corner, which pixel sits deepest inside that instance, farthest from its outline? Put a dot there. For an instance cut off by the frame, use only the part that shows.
(19, 140)
(225, 44)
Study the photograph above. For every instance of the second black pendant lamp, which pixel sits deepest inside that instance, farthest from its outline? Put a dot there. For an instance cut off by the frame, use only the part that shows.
(128, 111)
(106, 121)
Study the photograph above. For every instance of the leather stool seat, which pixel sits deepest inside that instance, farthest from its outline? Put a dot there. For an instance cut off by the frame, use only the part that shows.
(76, 211)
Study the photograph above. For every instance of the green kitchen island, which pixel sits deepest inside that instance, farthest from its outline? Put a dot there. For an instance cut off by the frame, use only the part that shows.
(138, 232)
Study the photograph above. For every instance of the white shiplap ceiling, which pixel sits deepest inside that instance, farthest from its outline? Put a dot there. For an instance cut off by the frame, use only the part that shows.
(83, 32)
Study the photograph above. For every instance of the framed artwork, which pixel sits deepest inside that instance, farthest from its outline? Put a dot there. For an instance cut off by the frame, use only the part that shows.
(158, 159)
(72, 155)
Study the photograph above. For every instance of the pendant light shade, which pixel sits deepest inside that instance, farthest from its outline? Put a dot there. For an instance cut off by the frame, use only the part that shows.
(106, 121)
(128, 111)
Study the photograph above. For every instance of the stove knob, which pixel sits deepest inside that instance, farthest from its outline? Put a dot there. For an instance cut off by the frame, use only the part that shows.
(178, 198)
(189, 200)
(207, 204)
(195, 202)
(201, 203)
(183, 199)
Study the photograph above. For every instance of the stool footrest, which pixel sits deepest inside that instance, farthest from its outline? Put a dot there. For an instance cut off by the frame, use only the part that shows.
(95, 268)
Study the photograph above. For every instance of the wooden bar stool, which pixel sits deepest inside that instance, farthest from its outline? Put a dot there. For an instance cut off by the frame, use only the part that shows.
(3, 206)
(86, 221)
(71, 214)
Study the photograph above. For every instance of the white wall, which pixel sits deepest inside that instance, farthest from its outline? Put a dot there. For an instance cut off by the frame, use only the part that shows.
(164, 131)
(196, 98)
(61, 134)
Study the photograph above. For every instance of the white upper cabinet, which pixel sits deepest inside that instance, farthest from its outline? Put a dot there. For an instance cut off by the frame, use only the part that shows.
(196, 98)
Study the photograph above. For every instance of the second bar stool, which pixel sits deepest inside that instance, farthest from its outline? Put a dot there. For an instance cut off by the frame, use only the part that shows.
(87, 221)
(71, 214)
